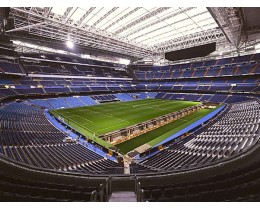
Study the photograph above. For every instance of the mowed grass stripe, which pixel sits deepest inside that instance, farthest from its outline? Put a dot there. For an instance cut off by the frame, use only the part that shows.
(107, 106)
(104, 118)
(156, 136)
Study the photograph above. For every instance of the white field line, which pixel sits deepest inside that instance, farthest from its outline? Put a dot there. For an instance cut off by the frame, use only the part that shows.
(107, 115)
(111, 116)
(109, 127)
(150, 107)
(82, 118)
(140, 106)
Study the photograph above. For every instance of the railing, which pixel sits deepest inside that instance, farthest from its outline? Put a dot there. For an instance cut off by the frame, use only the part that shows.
(102, 193)
(83, 131)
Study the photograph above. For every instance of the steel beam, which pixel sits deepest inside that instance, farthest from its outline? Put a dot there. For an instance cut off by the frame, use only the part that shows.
(27, 27)
(143, 18)
(123, 17)
(105, 15)
(230, 23)
(160, 20)
(80, 22)
(57, 27)
(102, 41)
(196, 39)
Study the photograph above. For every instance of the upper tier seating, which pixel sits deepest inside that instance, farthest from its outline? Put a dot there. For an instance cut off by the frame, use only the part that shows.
(51, 85)
(11, 68)
(75, 70)
(52, 81)
(217, 98)
(141, 87)
(250, 69)
(65, 102)
(104, 98)
(212, 71)
(70, 59)
(237, 66)
(241, 60)
(78, 101)
(124, 97)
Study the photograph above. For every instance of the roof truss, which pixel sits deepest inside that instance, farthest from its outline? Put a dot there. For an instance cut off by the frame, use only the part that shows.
(134, 32)
(58, 27)
(231, 24)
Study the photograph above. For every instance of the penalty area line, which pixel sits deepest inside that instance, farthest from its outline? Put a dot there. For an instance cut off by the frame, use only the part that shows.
(82, 118)
(110, 127)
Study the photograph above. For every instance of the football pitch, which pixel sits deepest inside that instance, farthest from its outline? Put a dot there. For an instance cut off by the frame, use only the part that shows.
(156, 136)
(94, 121)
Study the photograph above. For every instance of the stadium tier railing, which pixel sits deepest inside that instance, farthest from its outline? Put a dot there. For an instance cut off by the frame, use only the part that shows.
(16, 169)
(91, 135)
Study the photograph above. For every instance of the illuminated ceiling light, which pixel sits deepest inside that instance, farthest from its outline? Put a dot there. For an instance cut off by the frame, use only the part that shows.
(257, 48)
(70, 44)
(124, 61)
(85, 56)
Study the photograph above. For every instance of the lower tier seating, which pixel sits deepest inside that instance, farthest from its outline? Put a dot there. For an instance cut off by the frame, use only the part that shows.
(234, 132)
(242, 184)
(17, 184)
(27, 136)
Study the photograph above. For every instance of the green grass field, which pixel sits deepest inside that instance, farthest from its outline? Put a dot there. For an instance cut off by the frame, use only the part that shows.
(156, 136)
(93, 121)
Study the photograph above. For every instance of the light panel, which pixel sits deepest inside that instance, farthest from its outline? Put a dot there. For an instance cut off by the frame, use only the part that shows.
(196, 11)
(78, 14)
(132, 17)
(139, 25)
(191, 31)
(183, 24)
(162, 39)
(167, 12)
(101, 11)
(187, 28)
(176, 18)
(149, 30)
(91, 15)
(201, 17)
(113, 17)
(156, 33)
(205, 22)
(159, 36)
(59, 10)
(210, 26)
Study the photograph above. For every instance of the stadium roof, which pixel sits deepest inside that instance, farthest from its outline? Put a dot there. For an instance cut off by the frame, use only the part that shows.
(146, 26)
(139, 32)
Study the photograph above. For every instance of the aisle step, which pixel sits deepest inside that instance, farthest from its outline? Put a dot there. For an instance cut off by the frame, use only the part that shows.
(123, 196)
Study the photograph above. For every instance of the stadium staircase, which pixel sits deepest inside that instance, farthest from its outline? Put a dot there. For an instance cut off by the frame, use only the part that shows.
(126, 167)
(123, 196)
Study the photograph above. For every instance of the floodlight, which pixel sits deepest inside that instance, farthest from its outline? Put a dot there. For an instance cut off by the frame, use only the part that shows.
(70, 44)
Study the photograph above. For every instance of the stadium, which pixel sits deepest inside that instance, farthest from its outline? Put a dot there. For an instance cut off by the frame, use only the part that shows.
(110, 104)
